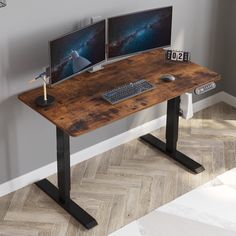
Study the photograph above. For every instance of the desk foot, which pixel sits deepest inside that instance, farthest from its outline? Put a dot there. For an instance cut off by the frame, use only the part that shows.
(184, 160)
(71, 207)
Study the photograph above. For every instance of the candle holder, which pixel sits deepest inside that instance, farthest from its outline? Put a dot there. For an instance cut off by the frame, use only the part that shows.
(44, 100)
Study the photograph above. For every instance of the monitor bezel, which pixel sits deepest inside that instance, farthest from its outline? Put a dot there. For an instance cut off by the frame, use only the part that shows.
(86, 69)
(139, 52)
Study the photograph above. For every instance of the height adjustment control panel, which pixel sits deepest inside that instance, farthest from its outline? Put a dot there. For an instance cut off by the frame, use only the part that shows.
(205, 88)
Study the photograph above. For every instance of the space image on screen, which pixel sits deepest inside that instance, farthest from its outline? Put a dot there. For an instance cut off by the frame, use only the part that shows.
(77, 51)
(137, 32)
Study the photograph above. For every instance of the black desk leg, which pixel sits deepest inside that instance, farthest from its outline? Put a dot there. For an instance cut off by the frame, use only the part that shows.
(62, 194)
(170, 147)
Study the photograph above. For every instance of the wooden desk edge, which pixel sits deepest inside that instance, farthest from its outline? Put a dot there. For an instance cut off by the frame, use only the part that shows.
(76, 134)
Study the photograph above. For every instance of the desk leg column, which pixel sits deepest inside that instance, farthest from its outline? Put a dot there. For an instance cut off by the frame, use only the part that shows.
(172, 125)
(62, 194)
(63, 165)
(170, 147)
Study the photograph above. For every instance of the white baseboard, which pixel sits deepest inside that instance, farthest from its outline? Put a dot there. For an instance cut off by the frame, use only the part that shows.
(43, 172)
(229, 99)
(26, 179)
(118, 140)
(207, 102)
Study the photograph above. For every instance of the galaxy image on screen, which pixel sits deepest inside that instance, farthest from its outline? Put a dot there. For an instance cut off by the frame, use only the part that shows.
(77, 51)
(139, 32)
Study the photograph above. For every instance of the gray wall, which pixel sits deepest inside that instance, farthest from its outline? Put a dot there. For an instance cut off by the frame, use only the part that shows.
(228, 50)
(27, 141)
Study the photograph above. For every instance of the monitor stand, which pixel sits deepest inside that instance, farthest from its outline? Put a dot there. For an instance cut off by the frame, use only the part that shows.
(96, 68)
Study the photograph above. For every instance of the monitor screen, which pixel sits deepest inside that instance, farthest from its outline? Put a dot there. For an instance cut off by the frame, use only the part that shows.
(77, 51)
(137, 32)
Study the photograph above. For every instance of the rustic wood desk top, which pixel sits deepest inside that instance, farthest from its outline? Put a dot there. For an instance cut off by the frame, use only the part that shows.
(79, 107)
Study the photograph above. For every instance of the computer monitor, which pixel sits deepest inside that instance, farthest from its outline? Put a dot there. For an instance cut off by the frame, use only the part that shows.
(78, 51)
(138, 32)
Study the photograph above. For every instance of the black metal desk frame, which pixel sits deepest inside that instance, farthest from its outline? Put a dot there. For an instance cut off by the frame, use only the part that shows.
(62, 194)
(170, 147)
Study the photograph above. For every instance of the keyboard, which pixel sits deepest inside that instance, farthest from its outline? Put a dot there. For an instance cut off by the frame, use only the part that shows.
(127, 91)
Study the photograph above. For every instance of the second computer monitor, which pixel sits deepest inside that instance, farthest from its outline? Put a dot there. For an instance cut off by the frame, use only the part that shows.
(77, 51)
(137, 32)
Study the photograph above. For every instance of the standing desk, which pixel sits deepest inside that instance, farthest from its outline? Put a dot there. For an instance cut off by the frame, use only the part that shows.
(80, 109)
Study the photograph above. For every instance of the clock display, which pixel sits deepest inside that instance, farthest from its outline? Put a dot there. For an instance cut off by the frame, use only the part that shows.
(177, 56)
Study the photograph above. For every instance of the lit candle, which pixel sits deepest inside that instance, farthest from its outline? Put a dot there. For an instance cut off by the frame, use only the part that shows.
(45, 88)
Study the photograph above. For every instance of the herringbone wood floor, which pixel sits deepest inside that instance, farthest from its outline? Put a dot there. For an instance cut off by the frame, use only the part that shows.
(127, 182)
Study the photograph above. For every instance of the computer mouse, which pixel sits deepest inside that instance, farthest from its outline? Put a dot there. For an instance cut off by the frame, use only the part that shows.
(167, 78)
